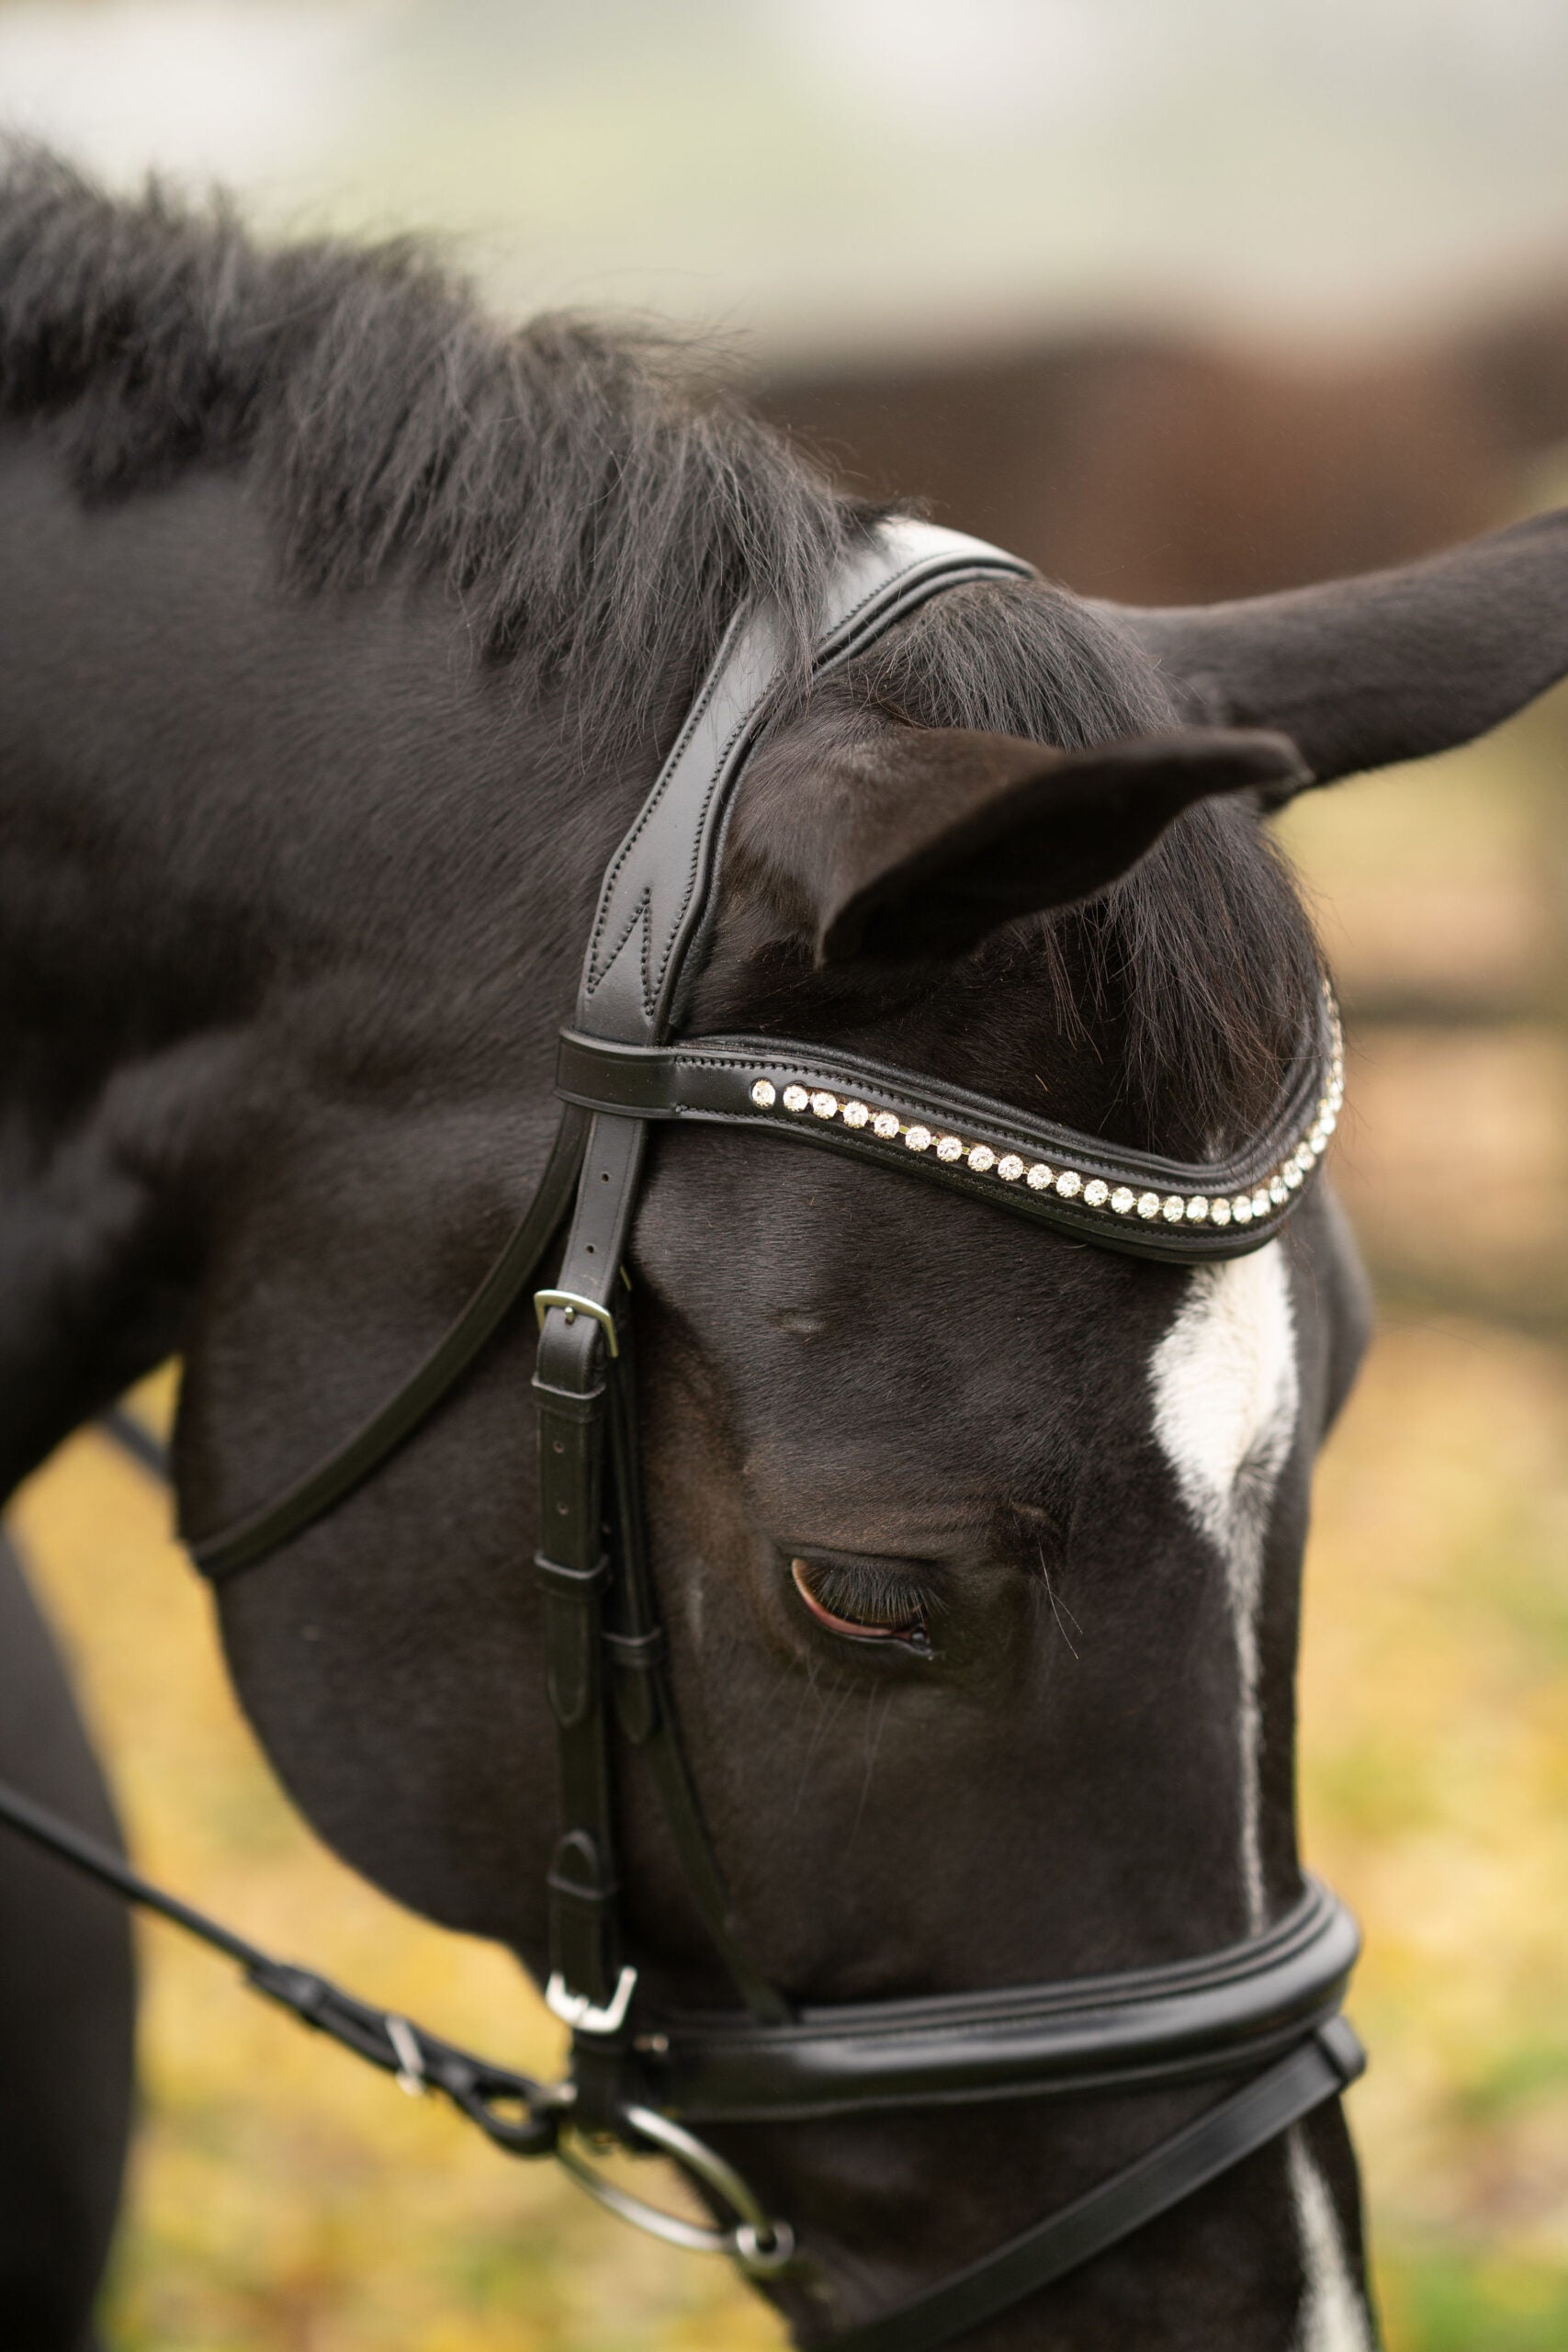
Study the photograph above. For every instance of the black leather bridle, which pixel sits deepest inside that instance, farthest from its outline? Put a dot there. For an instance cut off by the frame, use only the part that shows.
(1265, 2011)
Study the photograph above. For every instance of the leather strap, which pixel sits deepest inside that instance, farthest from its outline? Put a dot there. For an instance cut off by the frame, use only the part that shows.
(573, 1565)
(330, 1482)
(522, 2116)
(780, 1087)
(658, 893)
(1191, 2020)
(1316, 2071)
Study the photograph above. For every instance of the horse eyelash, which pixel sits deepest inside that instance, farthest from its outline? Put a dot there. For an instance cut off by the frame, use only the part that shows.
(865, 1595)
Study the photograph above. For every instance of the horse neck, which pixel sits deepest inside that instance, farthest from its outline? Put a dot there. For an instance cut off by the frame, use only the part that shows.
(269, 860)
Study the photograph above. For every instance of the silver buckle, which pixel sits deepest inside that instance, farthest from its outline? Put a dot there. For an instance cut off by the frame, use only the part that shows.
(578, 2011)
(571, 1306)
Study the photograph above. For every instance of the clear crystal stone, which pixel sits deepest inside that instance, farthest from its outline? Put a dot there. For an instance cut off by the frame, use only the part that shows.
(1278, 1193)
(1173, 1208)
(1219, 1212)
(917, 1138)
(854, 1114)
(1292, 1174)
(1197, 1209)
(981, 1157)
(949, 1148)
(1096, 1193)
(1068, 1182)
(764, 1094)
(1123, 1199)
(1010, 1167)
(1148, 1204)
(826, 1105)
(1260, 1203)
(885, 1124)
(1241, 1209)
(1039, 1177)
(795, 1097)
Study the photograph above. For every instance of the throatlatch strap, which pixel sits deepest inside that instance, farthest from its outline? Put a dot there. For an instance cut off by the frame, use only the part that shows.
(330, 1482)
(1316, 2071)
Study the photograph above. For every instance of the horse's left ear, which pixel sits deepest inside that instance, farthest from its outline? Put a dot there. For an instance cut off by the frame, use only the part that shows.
(920, 841)
(1391, 666)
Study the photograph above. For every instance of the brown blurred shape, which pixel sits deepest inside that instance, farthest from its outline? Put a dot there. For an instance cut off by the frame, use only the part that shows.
(1166, 467)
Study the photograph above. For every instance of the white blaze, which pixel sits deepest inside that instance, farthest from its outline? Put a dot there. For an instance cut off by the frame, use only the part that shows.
(1223, 1381)
(1226, 1402)
(1333, 2316)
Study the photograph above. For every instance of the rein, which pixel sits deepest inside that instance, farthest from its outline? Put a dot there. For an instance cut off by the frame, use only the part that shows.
(1265, 2010)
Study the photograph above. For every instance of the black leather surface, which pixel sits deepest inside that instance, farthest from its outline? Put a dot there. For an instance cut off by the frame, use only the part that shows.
(1315, 2072)
(711, 1078)
(1196, 2019)
(657, 892)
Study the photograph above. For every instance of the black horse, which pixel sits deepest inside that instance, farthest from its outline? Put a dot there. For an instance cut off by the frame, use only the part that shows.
(342, 636)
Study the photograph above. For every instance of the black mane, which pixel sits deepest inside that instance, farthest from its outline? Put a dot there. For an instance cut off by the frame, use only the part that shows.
(601, 502)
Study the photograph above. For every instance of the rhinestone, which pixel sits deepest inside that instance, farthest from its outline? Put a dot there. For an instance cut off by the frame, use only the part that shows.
(854, 1114)
(795, 1097)
(1260, 1203)
(1148, 1204)
(1197, 1209)
(1010, 1167)
(1068, 1182)
(1096, 1193)
(981, 1157)
(1219, 1212)
(1278, 1193)
(1330, 1120)
(1039, 1177)
(825, 1105)
(949, 1148)
(917, 1138)
(1173, 1208)
(1292, 1174)
(885, 1124)
(764, 1094)
(1123, 1199)
(1241, 1209)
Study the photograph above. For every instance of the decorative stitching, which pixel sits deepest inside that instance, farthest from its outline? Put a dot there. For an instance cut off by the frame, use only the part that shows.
(836, 642)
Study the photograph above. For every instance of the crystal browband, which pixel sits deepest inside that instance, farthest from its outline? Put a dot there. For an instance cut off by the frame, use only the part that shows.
(1122, 1200)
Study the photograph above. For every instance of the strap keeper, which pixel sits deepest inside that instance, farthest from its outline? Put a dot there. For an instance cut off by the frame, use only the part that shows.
(641, 1653)
(580, 1585)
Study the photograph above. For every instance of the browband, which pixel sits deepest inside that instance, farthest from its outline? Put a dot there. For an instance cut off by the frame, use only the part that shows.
(1123, 1200)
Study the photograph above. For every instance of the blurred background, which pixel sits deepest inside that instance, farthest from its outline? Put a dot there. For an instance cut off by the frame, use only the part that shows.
(1183, 302)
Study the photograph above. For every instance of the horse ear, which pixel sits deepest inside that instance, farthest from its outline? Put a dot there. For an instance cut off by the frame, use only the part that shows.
(1391, 666)
(944, 834)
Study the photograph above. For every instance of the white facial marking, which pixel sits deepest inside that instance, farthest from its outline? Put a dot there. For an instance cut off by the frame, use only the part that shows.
(1333, 2314)
(1225, 1398)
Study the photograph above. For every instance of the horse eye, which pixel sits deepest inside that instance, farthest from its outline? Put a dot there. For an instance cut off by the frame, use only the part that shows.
(865, 1603)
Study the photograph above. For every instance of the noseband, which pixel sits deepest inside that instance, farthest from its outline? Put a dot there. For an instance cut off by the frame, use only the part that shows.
(1261, 2017)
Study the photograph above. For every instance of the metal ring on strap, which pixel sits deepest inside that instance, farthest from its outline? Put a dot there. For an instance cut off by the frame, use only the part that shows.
(761, 2245)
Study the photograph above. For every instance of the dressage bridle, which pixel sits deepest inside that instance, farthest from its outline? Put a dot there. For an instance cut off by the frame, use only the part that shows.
(1265, 2010)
